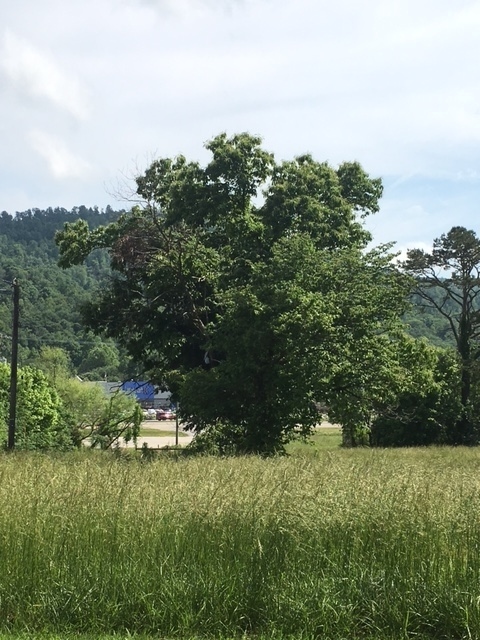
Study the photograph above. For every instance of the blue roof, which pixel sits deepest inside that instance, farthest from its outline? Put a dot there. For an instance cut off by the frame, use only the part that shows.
(142, 390)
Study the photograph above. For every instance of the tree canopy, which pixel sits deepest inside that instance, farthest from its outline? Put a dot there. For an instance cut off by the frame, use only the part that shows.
(448, 280)
(245, 287)
(51, 297)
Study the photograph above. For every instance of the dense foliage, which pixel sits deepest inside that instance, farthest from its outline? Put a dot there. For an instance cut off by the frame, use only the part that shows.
(423, 408)
(39, 423)
(56, 411)
(448, 281)
(51, 297)
(245, 288)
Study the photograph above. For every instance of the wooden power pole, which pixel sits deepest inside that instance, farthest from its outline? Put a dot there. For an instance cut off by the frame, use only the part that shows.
(14, 365)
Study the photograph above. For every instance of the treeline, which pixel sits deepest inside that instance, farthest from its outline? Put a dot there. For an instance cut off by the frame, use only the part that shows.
(254, 313)
(246, 287)
(38, 226)
(51, 297)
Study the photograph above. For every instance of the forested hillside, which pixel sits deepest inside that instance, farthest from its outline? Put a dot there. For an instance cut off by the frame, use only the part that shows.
(426, 322)
(51, 296)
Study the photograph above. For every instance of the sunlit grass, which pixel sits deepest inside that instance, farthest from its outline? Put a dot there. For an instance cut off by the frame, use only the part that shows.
(69, 636)
(322, 439)
(340, 544)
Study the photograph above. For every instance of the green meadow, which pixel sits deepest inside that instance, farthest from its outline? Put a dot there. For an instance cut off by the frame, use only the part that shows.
(324, 543)
(322, 438)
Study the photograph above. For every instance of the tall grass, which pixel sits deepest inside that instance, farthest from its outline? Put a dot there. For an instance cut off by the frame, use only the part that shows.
(371, 544)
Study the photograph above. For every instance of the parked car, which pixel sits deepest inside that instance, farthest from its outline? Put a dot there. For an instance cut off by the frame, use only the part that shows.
(165, 414)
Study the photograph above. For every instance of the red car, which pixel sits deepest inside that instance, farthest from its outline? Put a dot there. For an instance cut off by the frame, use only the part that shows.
(165, 414)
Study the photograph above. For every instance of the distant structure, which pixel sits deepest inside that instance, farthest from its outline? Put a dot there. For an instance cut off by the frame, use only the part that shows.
(145, 393)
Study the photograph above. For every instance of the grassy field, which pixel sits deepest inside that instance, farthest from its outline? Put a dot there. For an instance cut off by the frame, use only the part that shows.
(325, 438)
(162, 433)
(325, 544)
(322, 439)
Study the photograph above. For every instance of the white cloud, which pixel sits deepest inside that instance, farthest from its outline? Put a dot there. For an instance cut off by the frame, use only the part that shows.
(61, 162)
(33, 73)
(395, 85)
(192, 8)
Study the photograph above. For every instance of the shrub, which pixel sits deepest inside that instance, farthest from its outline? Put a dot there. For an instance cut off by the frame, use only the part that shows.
(38, 423)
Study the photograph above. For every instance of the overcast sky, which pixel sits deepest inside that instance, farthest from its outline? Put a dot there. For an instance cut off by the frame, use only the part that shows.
(92, 90)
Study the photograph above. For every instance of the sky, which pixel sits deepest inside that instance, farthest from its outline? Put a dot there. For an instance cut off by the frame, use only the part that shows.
(91, 91)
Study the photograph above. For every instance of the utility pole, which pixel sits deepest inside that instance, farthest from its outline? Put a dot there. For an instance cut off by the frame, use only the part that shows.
(176, 425)
(14, 365)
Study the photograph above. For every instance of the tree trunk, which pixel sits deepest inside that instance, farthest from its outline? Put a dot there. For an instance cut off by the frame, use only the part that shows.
(464, 430)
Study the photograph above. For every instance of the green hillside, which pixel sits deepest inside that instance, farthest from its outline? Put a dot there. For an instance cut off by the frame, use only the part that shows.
(426, 322)
(50, 296)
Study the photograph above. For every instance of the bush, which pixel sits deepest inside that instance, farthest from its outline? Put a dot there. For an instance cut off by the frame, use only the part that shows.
(38, 424)
(423, 415)
(95, 418)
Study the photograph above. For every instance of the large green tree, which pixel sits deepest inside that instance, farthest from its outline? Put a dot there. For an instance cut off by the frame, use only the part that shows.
(245, 286)
(448, 280)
